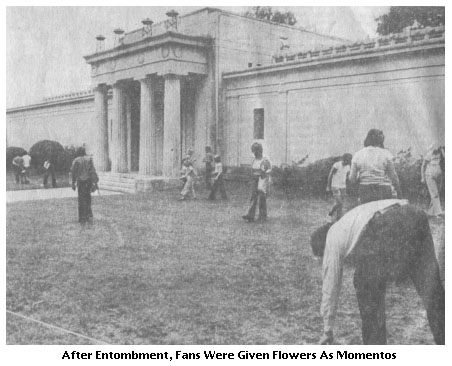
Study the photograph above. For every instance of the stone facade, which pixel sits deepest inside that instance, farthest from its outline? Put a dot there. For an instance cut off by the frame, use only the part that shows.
(323, 102)
(225, 80)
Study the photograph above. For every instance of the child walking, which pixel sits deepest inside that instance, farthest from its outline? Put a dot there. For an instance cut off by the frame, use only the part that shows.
(189, 176)
(218, 182)
(337, 184)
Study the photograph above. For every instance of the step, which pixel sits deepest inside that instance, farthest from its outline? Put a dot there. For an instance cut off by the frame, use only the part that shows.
(119, 175)
(118, 184)
(116, 189)
(117, 178)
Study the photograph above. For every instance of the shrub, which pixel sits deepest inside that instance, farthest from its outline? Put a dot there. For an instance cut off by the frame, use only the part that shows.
(11, 153)
(47, 149)
(408, 169)
(70, 155)
(313, 178)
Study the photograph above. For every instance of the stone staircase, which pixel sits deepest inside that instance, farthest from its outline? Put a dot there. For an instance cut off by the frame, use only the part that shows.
(118, 182)
(133, 182)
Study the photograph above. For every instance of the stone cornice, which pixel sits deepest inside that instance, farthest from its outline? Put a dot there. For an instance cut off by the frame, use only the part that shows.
(148, 43)
(418, 40)
(75, 97)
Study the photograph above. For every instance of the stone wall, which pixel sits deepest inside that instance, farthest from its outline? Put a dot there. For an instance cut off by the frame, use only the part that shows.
(66, 120)
(324, 105)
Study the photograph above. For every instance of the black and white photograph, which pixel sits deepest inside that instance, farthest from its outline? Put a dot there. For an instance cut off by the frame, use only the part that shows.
(214, 175)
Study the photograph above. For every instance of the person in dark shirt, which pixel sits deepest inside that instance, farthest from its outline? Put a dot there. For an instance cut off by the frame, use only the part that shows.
(208, 159)
(395, 244)
(84, 179)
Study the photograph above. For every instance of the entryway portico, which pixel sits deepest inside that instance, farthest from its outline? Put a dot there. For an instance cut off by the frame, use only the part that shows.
(158, 85)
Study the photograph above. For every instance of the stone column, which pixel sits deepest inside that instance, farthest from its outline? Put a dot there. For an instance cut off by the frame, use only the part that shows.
(119, 131)
(101, 121)
(147, 122)
(129, 131)
(171, 127)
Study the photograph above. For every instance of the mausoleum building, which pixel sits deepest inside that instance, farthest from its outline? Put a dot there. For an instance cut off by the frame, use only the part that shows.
(224, 80)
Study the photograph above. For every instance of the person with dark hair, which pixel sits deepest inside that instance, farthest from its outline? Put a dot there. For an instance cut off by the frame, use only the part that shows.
(218, 182)
(19, 170)
(373, 168)
(209, 160)
(386, 240)
(337, 184)
(49, 168)
(260, 181)
(84, 179)
(431, 174)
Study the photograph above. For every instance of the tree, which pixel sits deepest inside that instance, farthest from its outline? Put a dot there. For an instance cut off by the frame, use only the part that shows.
(400, 17)
(267, 13)
(48, 149)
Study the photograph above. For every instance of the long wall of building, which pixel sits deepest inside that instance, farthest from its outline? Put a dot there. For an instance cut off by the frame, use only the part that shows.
(67, 120)
(325, 106)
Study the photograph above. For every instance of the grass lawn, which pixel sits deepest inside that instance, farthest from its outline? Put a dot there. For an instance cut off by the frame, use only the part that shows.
(36, 181)
(152, 270)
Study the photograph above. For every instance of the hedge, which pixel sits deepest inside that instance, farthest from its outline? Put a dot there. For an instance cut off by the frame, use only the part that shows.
(313, 178)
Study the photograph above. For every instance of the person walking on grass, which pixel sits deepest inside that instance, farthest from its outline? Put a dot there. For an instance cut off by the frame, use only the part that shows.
(431, 174)
(260, 181)
(337, 184)
(84, 179)
(218, 181)
(209, 160)
(49, 167)
(188, 176)
(188, 157)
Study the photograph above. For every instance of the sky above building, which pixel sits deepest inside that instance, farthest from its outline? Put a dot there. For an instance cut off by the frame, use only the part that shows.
(45, 45)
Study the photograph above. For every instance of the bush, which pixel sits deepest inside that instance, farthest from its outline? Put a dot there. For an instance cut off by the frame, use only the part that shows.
(408, 169)
(70, 155)
(11, 153)
(313, 178)
(47, 149)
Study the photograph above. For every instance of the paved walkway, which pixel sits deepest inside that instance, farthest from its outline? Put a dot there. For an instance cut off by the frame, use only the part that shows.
(45, 194)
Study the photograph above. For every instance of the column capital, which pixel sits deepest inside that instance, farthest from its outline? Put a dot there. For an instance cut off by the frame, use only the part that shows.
(147, 77)
(145, 81)
(119, 84)
(173, 77)
(101, 87)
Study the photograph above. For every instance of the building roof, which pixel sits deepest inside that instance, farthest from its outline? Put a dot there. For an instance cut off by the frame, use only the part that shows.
(410, 39)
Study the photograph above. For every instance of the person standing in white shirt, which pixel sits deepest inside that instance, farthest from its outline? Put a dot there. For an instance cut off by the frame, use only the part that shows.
(218, 181)
(373, 168)
(431, 174)
(26, 159)
(337, 184)
(261, 169)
